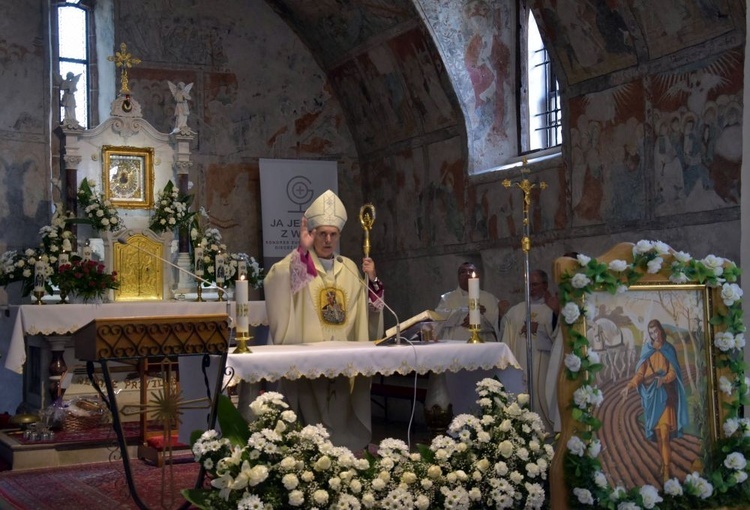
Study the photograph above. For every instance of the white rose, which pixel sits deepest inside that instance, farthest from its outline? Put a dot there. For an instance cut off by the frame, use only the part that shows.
(523, 398)
(736, 461)
(571, 312)
(572, 362)
(576, 446)
(580, 280)
(716, 264)
(650, 496)
(595, 447)
(654, 266)
(725, 385)
(584, 496)
(661, 248)
(678, 277)
(583, 259)
(724, 341)
(739, 341)
(642, 247)
(731, 426)
(730, 292)
(673, 487)
(618, 266)
(593, 357)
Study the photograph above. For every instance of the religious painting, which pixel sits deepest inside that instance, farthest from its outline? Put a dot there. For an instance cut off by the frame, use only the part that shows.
(128, 176)
(659, 417)
(333, 306)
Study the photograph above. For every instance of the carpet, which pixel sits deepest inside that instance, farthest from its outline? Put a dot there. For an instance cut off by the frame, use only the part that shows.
(96, 486)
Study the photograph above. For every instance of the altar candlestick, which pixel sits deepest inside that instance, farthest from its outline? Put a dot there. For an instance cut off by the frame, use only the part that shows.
(198, 254)
(474, 312)
(219, 269)
(240, 295)
(40, 275)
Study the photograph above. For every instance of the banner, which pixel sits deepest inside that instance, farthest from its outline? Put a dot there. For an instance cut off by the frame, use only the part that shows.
(287, 188)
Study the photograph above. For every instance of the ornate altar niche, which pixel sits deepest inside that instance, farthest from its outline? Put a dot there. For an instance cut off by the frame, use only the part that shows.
(129, 161)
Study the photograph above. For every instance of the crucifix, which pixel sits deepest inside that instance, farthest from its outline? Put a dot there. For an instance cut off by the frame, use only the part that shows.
(124, 60)
(525, 185)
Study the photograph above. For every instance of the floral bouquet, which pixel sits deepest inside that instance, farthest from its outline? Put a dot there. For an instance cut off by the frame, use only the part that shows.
(210, 243)
(497, 459)
(84, 278)
(171, 210)
(98, 211)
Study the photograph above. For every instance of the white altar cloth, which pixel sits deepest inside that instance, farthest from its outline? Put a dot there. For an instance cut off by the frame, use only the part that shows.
(329, 359)
(66, 319)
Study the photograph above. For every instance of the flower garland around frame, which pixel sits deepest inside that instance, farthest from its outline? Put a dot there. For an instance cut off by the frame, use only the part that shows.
(722, 482)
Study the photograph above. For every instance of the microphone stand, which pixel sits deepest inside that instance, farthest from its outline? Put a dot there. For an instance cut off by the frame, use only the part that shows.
(362, 282)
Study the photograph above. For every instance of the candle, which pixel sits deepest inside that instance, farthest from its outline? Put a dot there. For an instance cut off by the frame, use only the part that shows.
(240, 295)
(219, 268)
(242, 269)
(40, 275)
(87, 251)
(198, 261)
(474, 312)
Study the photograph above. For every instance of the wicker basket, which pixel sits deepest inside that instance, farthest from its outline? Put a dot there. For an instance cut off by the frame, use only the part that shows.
(84, 414)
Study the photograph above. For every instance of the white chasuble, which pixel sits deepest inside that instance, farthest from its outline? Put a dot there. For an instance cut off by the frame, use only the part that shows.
(332, 305)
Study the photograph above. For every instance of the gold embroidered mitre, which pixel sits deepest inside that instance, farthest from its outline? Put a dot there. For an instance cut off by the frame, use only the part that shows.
(326, 211)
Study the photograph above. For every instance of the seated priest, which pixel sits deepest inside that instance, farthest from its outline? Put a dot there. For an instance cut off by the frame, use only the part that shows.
(311, 297)
(454, 306)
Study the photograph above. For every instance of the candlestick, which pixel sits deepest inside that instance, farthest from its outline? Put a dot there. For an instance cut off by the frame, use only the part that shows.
(240, 296)
(475, 316)
(219, 269)
(242, 269)
(40, 275)
(198, 260)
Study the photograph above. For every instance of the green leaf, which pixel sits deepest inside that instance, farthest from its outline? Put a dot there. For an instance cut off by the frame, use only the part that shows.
(198, 497)
(233, 424)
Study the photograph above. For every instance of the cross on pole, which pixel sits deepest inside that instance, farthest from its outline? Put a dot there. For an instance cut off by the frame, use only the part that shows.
(124, 60)
(525, 185)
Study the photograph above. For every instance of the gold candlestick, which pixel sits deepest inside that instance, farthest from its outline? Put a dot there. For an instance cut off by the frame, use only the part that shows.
(199, 292)
(242, 338)
(38, 295)
(221, 291)
(475, 338)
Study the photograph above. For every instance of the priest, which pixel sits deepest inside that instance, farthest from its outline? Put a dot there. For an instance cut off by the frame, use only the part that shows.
(312, 297)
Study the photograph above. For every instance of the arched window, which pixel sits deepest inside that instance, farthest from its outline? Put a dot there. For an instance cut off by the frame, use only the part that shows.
(544, 123)
(71, 21)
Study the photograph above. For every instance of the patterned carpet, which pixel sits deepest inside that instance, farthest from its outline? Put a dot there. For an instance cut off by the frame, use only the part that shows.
(96, 486)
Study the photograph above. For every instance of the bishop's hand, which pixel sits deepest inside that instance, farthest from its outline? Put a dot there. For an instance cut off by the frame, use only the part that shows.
(306, 237)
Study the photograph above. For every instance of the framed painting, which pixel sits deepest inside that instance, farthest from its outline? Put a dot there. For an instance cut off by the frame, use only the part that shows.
(651, 380)
(128, 176)
(659, 418)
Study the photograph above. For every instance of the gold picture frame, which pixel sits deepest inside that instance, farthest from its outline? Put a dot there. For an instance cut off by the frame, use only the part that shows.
(128, 176)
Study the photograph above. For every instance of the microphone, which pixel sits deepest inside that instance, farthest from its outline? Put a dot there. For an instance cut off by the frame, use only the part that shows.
(189, 273)
(340, 259)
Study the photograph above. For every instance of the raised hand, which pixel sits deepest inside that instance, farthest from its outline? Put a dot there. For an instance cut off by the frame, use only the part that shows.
(306, 237)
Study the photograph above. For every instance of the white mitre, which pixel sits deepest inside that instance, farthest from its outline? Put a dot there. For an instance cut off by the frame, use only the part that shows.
(326, 211)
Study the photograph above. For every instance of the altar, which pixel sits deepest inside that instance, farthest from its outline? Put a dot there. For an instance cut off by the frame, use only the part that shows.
(41, 334)
(461, 364)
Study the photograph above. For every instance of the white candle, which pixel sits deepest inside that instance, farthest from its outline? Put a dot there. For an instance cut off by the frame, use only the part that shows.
(198, 261)
(242, 269)
(475, 316)
(240, 295)
(87, 252)
(219, 268)
(40, 275)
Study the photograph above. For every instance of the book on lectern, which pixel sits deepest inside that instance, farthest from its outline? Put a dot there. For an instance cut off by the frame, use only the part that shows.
(411, 328)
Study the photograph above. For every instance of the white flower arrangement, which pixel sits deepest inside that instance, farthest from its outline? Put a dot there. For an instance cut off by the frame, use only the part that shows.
(171, 211)
(722, 483)
(497, 459)
(99, 211)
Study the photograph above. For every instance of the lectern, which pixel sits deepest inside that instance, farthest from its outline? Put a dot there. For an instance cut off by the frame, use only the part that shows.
(137, 338)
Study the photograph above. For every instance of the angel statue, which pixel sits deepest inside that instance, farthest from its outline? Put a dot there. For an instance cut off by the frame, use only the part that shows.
(68, 87)
(181, 94)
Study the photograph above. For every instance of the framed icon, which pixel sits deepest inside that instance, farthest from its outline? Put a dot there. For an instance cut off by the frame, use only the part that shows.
(128, 176)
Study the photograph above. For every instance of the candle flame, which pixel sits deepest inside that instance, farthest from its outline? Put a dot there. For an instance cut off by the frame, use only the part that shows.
(473, 274)
(242, 277)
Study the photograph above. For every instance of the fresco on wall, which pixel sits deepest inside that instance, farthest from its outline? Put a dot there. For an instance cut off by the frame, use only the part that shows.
(677, 24)
(334, 27)
(423, 73)
(590, 37)
(607, 151)
(697, 119)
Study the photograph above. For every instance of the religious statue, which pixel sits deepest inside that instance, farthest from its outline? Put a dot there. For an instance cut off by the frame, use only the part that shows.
(68, 87)
(181, 94)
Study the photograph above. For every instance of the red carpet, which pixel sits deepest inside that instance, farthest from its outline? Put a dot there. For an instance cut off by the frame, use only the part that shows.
(95, 486)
